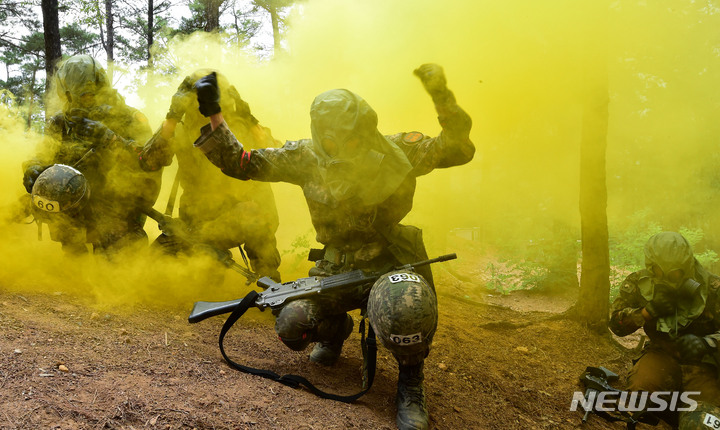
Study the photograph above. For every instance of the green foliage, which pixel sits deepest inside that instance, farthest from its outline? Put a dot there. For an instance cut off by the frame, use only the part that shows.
(22, 51)
(196, 21)
(530, 265)
(707, 257)
(506, 277)
(627, 247)
(299, 249)
(76, 40)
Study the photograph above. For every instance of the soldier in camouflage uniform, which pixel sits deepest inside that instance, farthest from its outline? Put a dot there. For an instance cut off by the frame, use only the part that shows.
(95, 133)
(677, 302)
(358, 185)
(233, 213)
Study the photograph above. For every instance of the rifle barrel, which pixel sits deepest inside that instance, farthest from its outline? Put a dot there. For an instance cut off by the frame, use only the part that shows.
(156, 215)
(439, 259)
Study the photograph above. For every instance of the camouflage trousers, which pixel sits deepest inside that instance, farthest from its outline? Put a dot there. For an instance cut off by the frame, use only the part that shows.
(107, 232)
(304, 321)
(657, 370)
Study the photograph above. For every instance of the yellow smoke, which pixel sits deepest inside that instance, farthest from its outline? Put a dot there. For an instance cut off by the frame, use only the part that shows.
(522, 69)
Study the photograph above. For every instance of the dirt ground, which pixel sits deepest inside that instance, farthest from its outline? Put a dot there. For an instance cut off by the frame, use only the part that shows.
(66, 365)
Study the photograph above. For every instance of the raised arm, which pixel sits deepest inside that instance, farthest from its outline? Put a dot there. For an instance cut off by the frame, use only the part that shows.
(158, 151)
(287, 164)
(452, 146)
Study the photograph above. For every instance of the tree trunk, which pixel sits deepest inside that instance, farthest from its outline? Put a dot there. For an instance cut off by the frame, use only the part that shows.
(593, 302)
(110, 45)
(150, 16)
(51, 28)
(212, 14)
(275, 20)
(31, 98)
(237, 27)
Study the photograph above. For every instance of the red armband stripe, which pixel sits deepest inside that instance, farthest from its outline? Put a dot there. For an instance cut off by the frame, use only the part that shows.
(245, 159)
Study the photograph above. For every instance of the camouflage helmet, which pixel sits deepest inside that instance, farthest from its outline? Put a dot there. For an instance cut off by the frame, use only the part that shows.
(704, 416)
(669, 251)
(60, 188)
(402, 309)
(80, 75)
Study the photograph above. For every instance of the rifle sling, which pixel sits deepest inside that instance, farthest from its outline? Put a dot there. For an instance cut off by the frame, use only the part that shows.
(295, 381)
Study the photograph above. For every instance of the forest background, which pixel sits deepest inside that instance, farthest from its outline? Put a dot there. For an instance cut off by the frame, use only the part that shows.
(531, 75)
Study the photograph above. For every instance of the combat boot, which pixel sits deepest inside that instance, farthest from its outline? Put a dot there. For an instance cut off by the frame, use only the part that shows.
(412, 413)
(327, 352)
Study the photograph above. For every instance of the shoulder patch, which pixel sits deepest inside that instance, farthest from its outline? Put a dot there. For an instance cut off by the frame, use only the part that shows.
(413, 137)
(714, 283)
(291, 145)
(627, 286)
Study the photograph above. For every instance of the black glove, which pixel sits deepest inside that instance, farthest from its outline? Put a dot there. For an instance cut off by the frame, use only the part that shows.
(691, 347)
(662, 304)
(93, 131)
(433, 79)
(30, 175)
(208, 94)
(181, 100)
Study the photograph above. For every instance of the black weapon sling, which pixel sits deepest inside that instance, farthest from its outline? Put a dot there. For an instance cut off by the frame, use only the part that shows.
(295, 381)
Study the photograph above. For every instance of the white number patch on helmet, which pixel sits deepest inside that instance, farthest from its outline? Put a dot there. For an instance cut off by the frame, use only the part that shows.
(407, 339)
(46, 205)
(711, 421)
(400, 277)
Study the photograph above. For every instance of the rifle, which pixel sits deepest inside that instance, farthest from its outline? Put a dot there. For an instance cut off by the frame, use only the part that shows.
(276, 295)
(598, 379)
(174, 227)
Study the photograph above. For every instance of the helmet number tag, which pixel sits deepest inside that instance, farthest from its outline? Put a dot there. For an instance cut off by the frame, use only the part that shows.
(406, 340)
(711, 421)
(46, 205)
(400, 277)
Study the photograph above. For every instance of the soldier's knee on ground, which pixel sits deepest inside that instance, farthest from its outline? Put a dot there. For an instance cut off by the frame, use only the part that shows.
(702, 378)
(296, 324)
(74, 249)
(402, 309)
(655, 370)
(113, 242)
(169, 245)
(332, 328)
(705, 416)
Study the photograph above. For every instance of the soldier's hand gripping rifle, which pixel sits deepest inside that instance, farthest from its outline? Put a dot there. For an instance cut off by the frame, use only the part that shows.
(175, 227)
(276, 295)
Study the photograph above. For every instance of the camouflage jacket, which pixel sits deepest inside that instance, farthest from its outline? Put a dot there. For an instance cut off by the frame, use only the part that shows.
(626, 314)
(113, 173)
(348, 226)
(197, 175)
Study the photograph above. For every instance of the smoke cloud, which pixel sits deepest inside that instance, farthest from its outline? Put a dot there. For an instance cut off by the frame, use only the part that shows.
(524, 70)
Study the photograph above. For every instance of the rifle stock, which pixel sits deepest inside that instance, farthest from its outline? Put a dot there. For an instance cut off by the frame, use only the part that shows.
(204, 310)
(598, 379)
